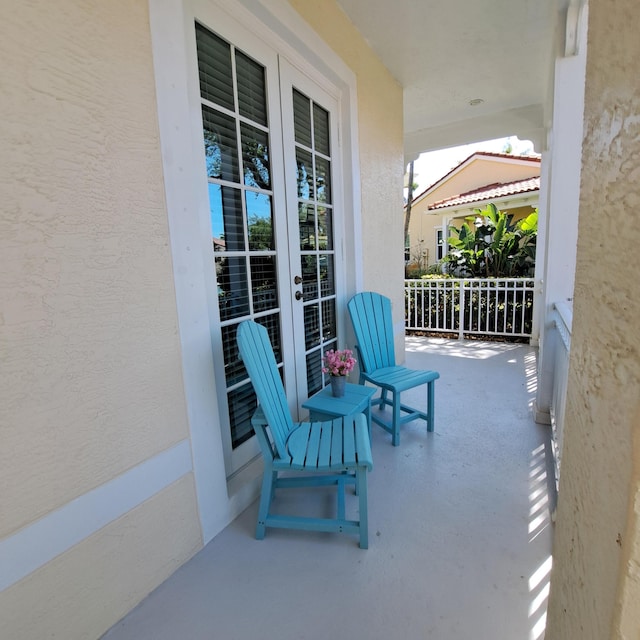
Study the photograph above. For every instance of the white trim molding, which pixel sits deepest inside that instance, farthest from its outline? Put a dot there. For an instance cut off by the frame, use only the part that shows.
(40, 542)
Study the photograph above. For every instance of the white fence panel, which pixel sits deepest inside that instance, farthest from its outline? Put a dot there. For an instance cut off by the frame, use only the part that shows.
(483, 306)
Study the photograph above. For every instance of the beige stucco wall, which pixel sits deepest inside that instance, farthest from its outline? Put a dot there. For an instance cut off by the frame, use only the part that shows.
(595, 583)
(91, 375)
(81, 594)
(381, 149)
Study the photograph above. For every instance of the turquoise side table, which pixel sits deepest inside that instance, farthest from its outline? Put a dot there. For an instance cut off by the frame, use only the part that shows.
(356, 399)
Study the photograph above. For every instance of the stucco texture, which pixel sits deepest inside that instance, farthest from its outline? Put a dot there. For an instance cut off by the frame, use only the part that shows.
(80, 594)
(381, 148)
(596, 577)
(91, 371)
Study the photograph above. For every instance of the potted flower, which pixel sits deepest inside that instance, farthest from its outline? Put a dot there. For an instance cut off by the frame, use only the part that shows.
(338, 364)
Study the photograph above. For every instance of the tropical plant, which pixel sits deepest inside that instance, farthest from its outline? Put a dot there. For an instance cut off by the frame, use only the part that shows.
(488, 245)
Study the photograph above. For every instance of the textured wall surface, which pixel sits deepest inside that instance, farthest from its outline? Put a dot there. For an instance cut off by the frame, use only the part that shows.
(596, 555)
(91, 370)
(81, 594)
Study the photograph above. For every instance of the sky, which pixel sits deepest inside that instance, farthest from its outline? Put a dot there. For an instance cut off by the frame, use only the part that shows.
(431, 166)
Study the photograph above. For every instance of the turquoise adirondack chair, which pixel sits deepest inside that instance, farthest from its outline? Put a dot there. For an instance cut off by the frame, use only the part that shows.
(371, 318)
(325, 453)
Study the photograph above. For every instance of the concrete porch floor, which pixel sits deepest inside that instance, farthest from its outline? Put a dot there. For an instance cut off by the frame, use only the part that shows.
(459, 530)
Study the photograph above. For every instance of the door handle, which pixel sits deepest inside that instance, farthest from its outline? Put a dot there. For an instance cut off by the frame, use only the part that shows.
(298, 295)
(297, 280)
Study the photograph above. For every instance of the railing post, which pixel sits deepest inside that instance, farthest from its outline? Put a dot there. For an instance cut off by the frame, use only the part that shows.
(461, 312)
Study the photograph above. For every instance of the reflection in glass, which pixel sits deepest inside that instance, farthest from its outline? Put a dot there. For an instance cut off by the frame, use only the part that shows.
(233, 294)
(221, 150)
(302, 118)
(226, 218)
(255, 157)
(321, 129)
(307, 226)
(242, 405)
(259, 221)
(327, 282)
(263, 283)
(305, 174)
(329, 330)
(272, 324)
(325, 230)
(311, 326)
(314, 372)
(309, 277)
(323, 180)
(252, 102)
(233, 367)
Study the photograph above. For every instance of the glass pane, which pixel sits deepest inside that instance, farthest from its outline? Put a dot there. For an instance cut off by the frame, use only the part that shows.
(307, 226)
(272, 324)
(327, 282)
(309, 277)
(242, 404)
(325, 229)
(311, 326)
(226, 218)
(220, 146)
(321, 129)
(323, 180)
(255, 157)
(302, 118)
(214, 67)
(314, 372)
(329, 330)
(263, 283)
(259, 221)
(305, 174)
(233, 367)
(233, 293)
(252, 102)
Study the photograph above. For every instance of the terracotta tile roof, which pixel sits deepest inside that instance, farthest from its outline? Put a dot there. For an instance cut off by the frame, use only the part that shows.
(534, 159)
(489, 192)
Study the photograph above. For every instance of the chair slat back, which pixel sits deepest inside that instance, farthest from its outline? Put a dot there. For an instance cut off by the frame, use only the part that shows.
(257, 354)
(372, 324)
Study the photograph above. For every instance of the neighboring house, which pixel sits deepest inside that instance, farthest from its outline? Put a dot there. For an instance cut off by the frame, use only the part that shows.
(510, 182)
(118, 458)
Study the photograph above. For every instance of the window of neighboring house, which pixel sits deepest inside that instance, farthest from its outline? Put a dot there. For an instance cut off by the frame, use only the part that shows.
(439, 245)
(407, 249)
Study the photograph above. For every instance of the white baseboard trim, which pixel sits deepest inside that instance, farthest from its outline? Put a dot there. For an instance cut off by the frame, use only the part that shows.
(38, 543)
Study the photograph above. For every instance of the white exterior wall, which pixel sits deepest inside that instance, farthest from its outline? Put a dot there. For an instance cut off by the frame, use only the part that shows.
(561, 175)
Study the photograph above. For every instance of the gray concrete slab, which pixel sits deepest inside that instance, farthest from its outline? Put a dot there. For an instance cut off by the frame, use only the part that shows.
(460, 532)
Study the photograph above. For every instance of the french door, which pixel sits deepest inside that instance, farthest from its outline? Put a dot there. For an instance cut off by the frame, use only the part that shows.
(273, 177)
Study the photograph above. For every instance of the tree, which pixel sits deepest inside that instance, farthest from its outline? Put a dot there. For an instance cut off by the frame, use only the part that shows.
(407, 216)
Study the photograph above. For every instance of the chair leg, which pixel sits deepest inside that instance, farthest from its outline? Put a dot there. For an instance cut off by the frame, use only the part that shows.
(430, 405)
(361, 484)
(268, 488)
(395, 435)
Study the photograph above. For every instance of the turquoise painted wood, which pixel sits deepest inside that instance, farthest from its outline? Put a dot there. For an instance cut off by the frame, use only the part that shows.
(332, 452)
(371, 319)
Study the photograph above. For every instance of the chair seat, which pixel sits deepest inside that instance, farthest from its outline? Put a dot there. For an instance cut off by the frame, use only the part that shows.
(334, 445)
(400, 378)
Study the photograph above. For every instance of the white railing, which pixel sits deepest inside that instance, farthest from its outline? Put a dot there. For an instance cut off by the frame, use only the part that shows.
(561, 321)
(484, 306)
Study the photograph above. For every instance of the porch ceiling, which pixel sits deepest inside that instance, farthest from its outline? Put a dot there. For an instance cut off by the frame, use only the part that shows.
(448, 53)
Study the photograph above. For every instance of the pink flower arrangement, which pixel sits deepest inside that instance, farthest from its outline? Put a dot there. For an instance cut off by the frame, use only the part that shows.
(338, 363)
